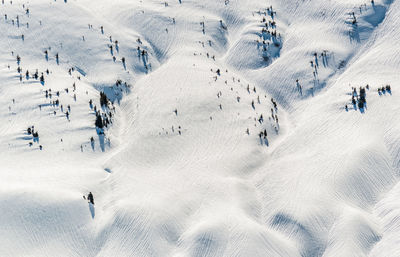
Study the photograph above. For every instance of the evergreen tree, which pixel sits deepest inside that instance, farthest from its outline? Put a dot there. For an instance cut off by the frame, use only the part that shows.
(99, 121)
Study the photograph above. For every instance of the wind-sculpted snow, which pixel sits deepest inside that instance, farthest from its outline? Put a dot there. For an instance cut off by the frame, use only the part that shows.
(202, 128)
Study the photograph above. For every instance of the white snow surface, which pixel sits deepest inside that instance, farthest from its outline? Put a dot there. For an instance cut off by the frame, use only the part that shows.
(176, 173)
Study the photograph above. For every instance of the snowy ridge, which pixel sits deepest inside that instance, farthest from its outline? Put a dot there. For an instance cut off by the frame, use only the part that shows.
(182, 169)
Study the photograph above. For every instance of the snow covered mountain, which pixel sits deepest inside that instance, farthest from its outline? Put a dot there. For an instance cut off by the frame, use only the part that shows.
(224, 128)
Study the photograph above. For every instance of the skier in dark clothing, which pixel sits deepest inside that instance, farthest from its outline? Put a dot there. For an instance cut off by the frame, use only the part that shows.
(90, 198)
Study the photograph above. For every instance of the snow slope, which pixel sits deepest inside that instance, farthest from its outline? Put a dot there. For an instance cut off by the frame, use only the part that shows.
(182, 171)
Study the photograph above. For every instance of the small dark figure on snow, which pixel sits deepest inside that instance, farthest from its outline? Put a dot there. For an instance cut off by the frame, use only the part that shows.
(103, 99)
(99, 121)
(90, 198)
(360, 105)
(42, 79)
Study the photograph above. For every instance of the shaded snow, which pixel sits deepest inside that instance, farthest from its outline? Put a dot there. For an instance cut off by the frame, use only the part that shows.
(176, 174)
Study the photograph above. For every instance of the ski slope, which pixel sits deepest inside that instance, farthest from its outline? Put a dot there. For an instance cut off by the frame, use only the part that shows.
(182, 169)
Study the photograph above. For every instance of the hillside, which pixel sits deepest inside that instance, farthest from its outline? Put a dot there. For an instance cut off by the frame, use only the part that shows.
(229, 128)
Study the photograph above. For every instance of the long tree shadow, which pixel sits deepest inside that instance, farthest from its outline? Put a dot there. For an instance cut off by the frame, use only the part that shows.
(354, 34)
(92, 210)
(101, 140)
